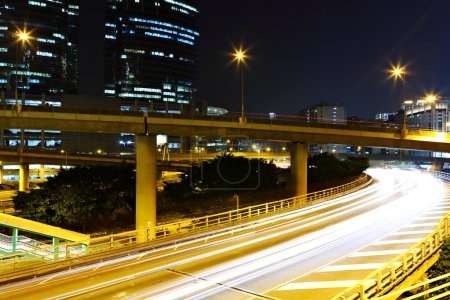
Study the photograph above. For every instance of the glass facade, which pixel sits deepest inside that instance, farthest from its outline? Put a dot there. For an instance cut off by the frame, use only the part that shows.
(42, 65)
(47, 62)
(151, 53)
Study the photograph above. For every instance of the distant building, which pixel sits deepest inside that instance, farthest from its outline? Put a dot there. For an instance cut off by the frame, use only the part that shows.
(48, 61)
(431, 115)
(151, 58)
(325, 112)
(216, 111)
(384, 117)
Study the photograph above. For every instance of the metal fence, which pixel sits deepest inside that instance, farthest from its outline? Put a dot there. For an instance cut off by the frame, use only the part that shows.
(47, 258)
(384, 279)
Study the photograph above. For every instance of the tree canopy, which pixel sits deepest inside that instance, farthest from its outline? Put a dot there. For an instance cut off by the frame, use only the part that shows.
(80, 197)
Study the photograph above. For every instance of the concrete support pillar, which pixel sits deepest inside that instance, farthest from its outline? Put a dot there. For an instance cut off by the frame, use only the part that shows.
(1, 173)
(437, 166)
(145, 186)
(41, 173)
(299, 167)
(24, 177)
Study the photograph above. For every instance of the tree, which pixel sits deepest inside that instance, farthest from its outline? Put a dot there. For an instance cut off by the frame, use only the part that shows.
(81, 197)
(323, 166)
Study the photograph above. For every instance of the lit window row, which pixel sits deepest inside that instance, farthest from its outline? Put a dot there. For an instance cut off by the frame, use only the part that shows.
(36, 3)
(150, 90)
(133, 95)
(28, 73)
(136, 51)
(180, 10)
(110, 92)
(59, 35)
(49, 41)
(3, 49)
(186, 59)
(110, 37)
(185, 41)
(169, 31)
(170, 25)
(47, 54)
(183, 89)
(184, 5)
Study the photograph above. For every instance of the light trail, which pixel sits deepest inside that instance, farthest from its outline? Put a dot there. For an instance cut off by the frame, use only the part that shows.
(220, 262)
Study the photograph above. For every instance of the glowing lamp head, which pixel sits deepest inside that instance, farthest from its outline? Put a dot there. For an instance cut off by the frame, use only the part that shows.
(239, 55)
(431, 97)
(398, 71)
(23, 36)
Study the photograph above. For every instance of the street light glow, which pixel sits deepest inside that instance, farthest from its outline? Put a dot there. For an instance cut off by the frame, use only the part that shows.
(431, 97)
(239, 55)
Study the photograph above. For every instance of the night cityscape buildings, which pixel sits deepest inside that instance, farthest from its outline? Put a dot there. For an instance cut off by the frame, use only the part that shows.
(48, 61)
(151, 58)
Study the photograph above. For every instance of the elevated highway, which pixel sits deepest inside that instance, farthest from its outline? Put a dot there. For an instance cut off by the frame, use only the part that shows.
(113, 121)
(146, 126)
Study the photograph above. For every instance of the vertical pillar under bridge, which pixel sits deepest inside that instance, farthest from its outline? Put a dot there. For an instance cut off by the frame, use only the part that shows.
(145, 187)
(299, 167)
(24, 177)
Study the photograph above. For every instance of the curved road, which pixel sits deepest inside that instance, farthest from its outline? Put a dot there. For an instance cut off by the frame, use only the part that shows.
(262, 259)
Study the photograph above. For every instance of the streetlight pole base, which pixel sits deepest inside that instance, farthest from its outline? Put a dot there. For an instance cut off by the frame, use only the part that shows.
(404, 132)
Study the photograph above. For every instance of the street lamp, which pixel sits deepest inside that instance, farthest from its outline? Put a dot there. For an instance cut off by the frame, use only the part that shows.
(239, 57)
(22, 38)
(64, 152)
(400, 72)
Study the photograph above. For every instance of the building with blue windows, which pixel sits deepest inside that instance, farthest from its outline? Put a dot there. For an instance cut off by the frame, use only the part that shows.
(47, 61)
(37, 68)
(151, 54)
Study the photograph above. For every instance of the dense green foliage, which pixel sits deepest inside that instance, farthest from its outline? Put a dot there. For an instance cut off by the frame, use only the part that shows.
(441, 267)
(325, 166)
(222, 176)
(90, 198)
(81, 198)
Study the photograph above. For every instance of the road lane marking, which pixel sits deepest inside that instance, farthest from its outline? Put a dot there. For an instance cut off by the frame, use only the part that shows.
(220, 284)
(352, 267)
(411, 232)
(421, 225)
(318, 285)
(391, 242)
(429, 218)
(377, 253)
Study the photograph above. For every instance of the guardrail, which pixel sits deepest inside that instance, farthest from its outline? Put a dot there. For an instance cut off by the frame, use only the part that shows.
(382, 280)
(30, 263)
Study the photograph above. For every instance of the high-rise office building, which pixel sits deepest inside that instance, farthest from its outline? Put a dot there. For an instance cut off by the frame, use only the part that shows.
(39, 66)
(151, 54)
(47, 61)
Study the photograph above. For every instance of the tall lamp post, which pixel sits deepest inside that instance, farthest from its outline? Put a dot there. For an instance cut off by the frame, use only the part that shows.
(22, 38)
(239, 57)
(400, 72)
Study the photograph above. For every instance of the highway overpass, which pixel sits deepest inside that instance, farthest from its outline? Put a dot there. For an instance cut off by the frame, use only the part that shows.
(146, 126)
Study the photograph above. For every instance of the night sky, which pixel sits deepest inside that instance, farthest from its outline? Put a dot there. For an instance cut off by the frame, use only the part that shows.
(304, 52)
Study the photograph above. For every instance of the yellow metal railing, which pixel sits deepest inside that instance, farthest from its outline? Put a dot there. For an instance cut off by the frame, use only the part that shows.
(47, 258)
(384, 279)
